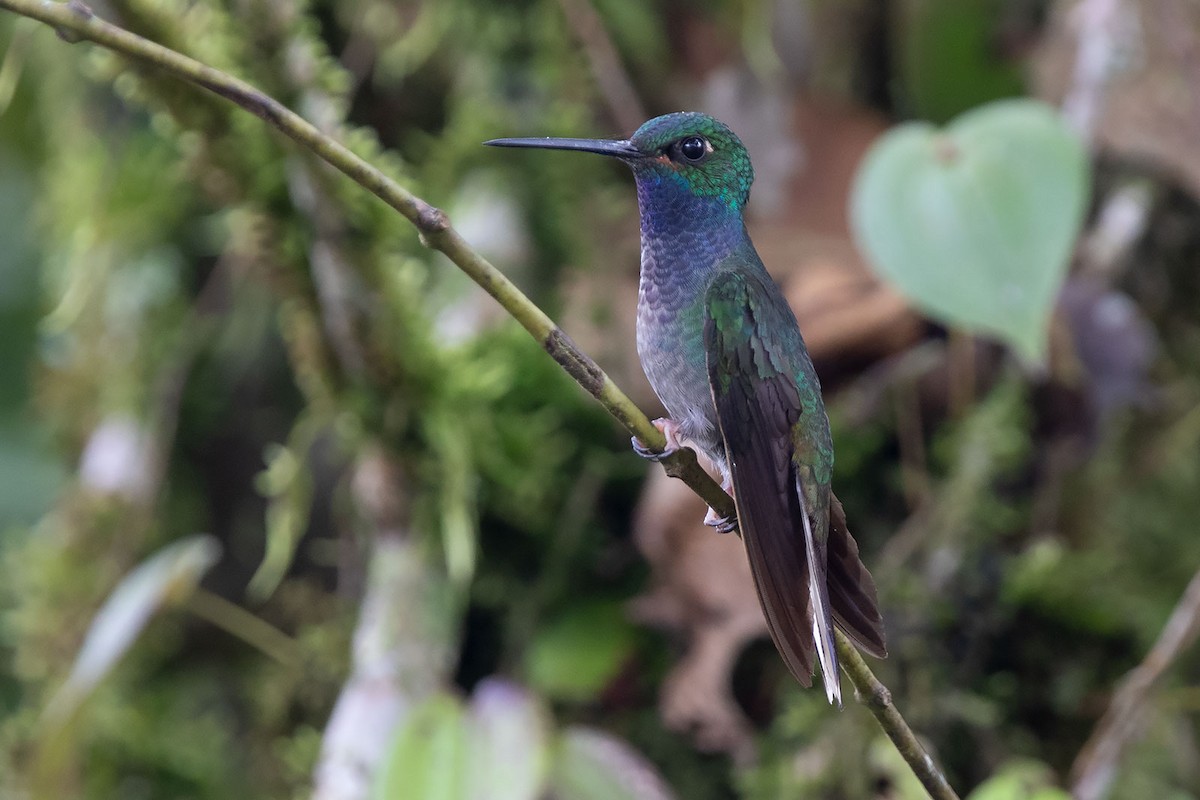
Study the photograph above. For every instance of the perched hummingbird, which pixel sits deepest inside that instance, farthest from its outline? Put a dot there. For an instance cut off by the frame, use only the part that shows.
(723, 351)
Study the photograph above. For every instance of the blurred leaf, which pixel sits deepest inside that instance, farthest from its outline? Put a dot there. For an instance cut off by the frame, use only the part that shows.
(427, 759)
(975, 224)
(1020, 780)
(165, 579)
(950, 56)
(574, 656)
(591, 765)
(508, 739)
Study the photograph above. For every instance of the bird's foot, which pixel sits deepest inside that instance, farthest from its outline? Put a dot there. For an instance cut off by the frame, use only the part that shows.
(719, 523)
(670, 429)
(722, 524)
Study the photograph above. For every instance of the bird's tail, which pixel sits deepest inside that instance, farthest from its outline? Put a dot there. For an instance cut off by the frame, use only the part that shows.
(840, 588)
(852, 598)
(807, 579)
(806, 585)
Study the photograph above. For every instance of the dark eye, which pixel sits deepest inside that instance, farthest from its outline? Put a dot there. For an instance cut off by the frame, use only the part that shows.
(693, 149)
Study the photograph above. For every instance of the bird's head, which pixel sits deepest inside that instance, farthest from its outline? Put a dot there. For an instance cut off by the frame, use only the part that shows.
(695, 150)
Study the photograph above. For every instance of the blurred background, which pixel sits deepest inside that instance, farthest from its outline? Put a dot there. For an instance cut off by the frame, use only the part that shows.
(289, 508)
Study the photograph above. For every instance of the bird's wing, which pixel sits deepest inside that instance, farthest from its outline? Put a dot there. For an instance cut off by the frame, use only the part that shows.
(758, 404)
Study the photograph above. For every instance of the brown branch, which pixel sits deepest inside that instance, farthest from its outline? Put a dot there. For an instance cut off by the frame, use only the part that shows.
(1096, 765)
(878, 699)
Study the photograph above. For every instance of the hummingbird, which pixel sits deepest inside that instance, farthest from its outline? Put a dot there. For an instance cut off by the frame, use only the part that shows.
(723, 352)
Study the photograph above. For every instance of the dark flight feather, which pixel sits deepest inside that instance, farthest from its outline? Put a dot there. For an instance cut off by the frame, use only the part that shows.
(758, 406)
(851, 587)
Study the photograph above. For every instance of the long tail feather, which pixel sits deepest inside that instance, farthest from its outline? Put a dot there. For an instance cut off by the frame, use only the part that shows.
(767, 516)
(822, 621)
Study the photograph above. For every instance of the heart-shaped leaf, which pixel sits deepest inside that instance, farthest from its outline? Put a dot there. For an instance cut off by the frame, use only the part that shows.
(975, 223)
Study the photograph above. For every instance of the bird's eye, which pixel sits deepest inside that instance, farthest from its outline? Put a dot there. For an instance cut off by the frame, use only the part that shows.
(693, 149)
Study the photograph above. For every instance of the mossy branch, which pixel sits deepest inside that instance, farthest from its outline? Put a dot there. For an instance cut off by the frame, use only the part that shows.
(75, 22)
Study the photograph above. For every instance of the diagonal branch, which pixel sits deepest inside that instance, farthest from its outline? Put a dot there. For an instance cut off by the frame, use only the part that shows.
(1095, 767)
(75, 22)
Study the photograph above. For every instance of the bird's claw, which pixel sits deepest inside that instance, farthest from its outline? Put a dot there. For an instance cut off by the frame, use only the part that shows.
(646, 452)
(721, 524)
(670, 430)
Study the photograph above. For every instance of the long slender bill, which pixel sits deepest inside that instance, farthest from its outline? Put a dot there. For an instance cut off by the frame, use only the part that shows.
(618, 148)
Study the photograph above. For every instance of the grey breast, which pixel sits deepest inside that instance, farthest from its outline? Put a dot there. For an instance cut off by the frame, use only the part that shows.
(671, 348)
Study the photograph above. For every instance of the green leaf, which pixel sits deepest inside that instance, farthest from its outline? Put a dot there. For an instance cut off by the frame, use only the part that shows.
(496, 749)
(508, 736)
(975, 223)
(1020, 780)
(591, 765)
(576, 655)
(427, 758)
(165, 579)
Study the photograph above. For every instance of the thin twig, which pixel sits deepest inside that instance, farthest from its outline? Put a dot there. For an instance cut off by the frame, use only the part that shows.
(250, 628)
(611, 77)
(75, 22)
(910, 440)
(1096, 765)
(876, 697)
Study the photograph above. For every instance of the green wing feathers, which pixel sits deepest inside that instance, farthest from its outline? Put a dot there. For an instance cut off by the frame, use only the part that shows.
(757, 372)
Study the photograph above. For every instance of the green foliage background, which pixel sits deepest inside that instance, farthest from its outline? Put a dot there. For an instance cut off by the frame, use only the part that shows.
(259, 328)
